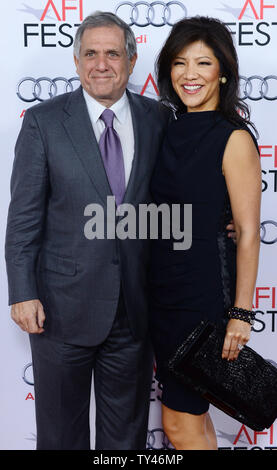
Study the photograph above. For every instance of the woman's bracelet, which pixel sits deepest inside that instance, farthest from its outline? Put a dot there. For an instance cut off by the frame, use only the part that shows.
(237, 313)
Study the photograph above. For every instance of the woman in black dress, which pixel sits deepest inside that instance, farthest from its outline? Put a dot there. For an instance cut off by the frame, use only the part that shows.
(209, 159)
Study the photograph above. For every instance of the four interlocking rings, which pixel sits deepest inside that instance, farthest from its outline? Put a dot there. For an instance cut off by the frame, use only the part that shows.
(263, 90)
(264, 232)
(28, 381)
(36, 87)
(36, 91)
(157, 439)
(150, 13)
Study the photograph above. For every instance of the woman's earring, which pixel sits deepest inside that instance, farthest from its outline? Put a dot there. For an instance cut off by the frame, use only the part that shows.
(223, 80)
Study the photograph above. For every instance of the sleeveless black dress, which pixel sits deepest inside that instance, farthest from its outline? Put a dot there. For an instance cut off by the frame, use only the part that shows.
(188, 286)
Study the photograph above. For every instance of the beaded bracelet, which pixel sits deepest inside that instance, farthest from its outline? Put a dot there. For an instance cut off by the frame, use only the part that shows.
(242, 314)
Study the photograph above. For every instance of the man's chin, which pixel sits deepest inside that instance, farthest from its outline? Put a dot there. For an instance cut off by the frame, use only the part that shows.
(106, 97)
(99, 93)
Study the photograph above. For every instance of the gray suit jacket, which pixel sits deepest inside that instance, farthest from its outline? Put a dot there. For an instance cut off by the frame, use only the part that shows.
(57, 172)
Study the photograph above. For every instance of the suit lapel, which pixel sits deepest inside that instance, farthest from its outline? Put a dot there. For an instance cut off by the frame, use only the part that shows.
(79, 129)
(139, 112)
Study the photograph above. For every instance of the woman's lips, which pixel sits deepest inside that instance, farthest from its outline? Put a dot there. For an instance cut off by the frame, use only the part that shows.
(192, 89)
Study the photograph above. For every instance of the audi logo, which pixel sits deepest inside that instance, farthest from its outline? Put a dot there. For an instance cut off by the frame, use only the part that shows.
(33, 88)
(30, 89)
(144, 14)
(25, 374)
(157, 439)
(255, 88)
(266, 235)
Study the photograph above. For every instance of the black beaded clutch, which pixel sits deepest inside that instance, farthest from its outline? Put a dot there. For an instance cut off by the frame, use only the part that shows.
(245, 389)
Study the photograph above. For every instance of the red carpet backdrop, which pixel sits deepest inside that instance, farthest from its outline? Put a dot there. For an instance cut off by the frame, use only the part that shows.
(37, 64)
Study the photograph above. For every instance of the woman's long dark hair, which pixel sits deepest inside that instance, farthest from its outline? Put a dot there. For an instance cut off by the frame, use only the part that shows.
(216, 36)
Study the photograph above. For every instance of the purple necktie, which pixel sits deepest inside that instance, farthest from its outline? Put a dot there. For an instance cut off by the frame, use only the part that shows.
(112, 155)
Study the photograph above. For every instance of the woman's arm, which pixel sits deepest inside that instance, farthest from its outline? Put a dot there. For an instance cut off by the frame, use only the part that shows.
(242, 171)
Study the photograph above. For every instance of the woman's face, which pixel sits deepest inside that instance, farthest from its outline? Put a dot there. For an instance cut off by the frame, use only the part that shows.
(195, 74)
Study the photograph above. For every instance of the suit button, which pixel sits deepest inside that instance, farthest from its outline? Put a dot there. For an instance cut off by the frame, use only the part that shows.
(115, 261)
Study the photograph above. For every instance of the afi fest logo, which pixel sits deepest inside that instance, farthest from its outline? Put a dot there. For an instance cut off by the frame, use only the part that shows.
(265, 307)
(250, 4)
(59, 20)
(268, 155)
(247, 439)
(64, 8)
(253, 26)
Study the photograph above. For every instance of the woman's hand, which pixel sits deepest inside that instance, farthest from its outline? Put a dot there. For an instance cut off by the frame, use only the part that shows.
(237, 333)
(231, 231)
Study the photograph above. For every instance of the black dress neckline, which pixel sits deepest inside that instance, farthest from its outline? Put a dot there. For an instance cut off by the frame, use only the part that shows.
(198, 115)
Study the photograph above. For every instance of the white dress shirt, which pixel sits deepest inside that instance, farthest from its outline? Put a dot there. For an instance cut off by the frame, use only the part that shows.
(122, 124)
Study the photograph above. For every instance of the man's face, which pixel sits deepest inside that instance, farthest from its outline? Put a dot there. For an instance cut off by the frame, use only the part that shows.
(103, 65)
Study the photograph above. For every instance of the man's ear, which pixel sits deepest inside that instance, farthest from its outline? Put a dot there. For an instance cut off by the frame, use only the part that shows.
(76, 64)
(132, 63)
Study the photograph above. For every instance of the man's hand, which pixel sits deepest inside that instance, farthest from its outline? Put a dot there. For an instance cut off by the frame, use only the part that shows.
(29, 315)
(232, 231)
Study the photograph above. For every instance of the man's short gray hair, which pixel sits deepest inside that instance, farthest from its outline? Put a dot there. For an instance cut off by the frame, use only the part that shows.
(101, 18)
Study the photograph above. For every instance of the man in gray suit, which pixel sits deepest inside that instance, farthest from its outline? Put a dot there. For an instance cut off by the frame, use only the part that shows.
(84, 302)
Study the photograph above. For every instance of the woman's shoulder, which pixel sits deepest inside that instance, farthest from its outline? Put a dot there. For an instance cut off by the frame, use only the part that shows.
(240, 132)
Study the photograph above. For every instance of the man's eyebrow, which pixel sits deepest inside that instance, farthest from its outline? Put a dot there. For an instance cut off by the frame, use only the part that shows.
(90, 49)
(113, 50)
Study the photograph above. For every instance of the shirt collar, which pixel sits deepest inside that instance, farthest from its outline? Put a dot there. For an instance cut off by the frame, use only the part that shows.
(95, 108)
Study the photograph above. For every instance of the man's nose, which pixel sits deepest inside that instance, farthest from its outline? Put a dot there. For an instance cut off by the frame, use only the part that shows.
(101, 63)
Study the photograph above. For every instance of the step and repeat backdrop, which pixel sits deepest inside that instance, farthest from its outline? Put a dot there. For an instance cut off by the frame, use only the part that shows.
(37, 64)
